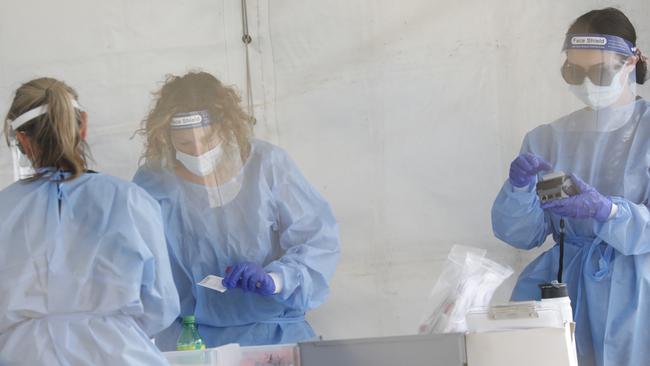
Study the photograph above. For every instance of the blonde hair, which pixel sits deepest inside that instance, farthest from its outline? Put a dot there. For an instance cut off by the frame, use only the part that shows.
(55, 135)
(194, 91)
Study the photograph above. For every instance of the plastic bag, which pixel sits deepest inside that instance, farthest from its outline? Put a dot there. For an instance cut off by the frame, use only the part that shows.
(468, 280)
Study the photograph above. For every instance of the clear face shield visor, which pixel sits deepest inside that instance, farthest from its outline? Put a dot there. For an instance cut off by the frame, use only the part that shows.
(600, 70)
(22, 165)
(212, 165)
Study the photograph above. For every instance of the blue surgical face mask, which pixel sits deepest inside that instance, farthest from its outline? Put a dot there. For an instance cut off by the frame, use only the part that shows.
(203, 164)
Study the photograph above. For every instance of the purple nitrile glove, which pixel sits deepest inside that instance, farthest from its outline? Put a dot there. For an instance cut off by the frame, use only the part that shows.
(250, 277)
(525, 167)
(589, 203)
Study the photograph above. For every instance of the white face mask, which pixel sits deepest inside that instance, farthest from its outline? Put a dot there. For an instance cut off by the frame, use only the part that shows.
(203, 164)
(598, 97)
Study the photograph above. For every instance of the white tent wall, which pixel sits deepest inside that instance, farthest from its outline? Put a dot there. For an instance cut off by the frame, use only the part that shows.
(405, 115)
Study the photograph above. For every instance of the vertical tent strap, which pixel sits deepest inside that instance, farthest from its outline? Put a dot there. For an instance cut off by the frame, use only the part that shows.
(247, 39)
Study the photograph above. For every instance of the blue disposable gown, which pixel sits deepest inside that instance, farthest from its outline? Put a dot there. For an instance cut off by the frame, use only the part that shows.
(84, 273)
(277, 220)
(607, 265)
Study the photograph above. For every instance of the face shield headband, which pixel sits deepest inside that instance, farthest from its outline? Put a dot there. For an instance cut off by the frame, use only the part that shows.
(602, 42)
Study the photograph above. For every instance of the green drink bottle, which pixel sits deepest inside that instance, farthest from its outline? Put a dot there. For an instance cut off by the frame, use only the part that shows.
(190, 340)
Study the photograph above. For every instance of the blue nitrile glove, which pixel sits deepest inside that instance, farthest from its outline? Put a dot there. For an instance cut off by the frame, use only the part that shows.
(250, 277)
(589, 203)
(525, 167)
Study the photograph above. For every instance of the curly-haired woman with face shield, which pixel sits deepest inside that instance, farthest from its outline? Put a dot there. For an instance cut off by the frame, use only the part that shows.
(238, 208)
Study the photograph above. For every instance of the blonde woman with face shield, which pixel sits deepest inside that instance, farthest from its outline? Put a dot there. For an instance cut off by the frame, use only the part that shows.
(606, 148)
(84, 270)
(238, 208)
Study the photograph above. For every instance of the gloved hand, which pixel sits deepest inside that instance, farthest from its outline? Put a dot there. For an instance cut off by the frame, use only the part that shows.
(589, 203)
(250, 277)
(525, 167)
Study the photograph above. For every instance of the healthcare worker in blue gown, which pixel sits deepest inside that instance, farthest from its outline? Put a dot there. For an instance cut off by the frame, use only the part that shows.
(84, 271)
(238, 208)
(606, 148)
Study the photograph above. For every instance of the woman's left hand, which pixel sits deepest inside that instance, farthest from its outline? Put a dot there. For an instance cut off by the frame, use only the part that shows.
(250, 277)
(589, 203)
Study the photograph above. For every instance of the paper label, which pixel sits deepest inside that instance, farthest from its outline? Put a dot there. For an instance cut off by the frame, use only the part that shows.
(214, 283)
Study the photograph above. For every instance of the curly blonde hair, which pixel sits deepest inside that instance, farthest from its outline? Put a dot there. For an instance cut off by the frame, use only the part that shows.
(195, 91)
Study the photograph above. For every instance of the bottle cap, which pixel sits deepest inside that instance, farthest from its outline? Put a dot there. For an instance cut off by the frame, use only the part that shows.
(554, 290)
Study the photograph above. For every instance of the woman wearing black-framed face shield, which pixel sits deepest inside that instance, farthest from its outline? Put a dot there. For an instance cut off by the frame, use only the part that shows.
(602, 245)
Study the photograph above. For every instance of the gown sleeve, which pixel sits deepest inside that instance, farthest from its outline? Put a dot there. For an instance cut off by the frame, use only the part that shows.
(517, 217)
(308, 235)
(158, 292)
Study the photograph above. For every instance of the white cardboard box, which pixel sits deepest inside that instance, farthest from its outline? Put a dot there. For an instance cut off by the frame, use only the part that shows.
(529, 347)
(228, 355)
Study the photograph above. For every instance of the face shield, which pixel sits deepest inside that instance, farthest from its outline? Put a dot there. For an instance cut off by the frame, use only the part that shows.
(23, 167)
(210, 165)
(600, 70)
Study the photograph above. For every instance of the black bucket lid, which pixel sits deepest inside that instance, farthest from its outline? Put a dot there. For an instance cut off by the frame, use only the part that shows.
(554, 290)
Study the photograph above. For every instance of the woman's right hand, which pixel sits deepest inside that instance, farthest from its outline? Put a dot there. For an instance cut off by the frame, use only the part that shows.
(525, 167)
